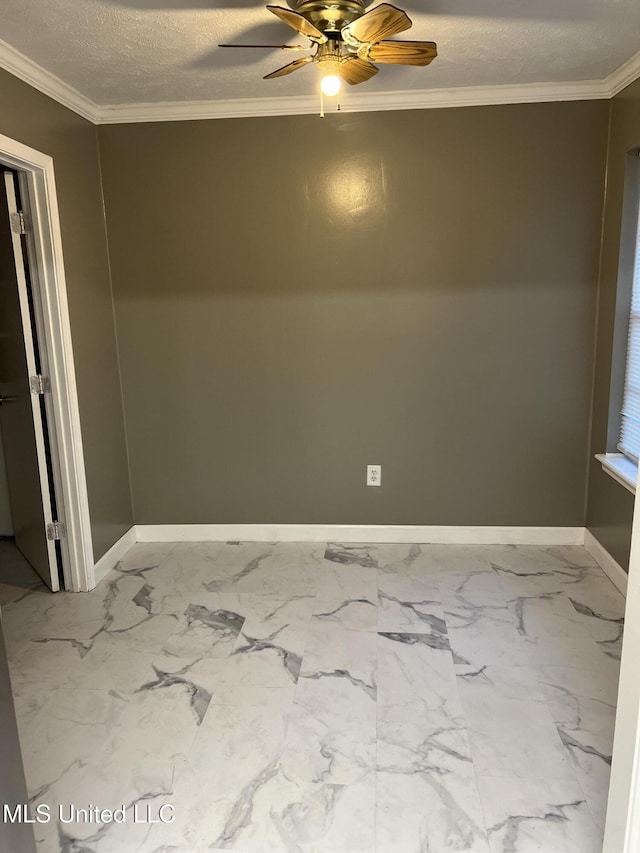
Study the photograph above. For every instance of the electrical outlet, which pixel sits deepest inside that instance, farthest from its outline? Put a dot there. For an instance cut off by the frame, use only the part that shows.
(374, 475)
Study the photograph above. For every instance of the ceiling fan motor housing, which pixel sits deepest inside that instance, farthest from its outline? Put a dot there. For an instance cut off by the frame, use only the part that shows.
(329, 56)
(330, 17)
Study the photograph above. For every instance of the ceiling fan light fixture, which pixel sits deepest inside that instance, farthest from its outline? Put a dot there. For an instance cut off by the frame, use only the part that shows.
(330, 84)
(348, 40)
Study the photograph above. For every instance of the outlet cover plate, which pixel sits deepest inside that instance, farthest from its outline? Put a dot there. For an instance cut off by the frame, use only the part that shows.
(374, 475)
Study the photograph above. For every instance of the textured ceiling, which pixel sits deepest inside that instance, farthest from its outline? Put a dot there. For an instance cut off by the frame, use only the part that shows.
(133, 51)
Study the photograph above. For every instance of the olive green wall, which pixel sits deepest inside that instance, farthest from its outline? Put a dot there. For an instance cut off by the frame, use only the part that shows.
(298, 297)
(610, 505)
(35, 120)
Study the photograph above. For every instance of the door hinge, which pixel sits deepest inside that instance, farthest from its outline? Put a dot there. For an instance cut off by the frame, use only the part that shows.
(56, 531)
(39, 384)
(19, 223)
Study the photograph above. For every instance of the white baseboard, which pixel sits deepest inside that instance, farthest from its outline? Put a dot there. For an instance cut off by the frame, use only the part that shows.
(376, 533)
(114, 554)
(609, 566)
(388, 533)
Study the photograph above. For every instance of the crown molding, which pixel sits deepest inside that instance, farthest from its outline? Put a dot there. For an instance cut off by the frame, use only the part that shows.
(621, 77)
(354, 101)
(467, 96)
(44, 81)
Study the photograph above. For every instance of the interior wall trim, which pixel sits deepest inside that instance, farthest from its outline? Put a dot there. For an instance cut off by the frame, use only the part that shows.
(44, 81)
(66, 433)
(26, 69)
(417, 99)
(623, 76)
(113, 556)
(612, 569)
(388, 534)
(385, 533)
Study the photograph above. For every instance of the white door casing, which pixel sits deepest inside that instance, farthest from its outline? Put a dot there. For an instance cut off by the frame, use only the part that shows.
(45, 562)
(622, 830)
(50, 294)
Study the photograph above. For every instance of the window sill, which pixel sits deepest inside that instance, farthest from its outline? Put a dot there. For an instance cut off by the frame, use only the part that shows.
(622, 469)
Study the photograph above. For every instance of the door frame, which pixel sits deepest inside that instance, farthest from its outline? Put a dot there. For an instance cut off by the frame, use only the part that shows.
(49, 284)
(622, 828)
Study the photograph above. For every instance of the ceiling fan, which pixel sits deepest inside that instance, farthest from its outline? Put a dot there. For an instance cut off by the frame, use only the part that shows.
(347, 40)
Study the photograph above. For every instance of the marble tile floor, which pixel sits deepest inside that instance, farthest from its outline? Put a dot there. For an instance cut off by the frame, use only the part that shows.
(322, 699)
(16, 575)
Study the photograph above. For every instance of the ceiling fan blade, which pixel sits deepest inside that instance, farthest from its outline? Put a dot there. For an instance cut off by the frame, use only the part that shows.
(403, 52)
(298, 22)
(290, 68)
(378, 24)
(355, 70)
(271, 46)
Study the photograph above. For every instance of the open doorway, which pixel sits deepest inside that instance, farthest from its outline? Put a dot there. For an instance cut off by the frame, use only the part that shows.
(55, 536)
(31, 521)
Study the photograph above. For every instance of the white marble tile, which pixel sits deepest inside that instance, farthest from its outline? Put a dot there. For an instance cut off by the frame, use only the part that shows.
(531, 816)
(130, 835)
(11, 594)
(338, 691)
(582, 706)
(427, 798)
(596, 593)
(271, 660)
(529, 571)
(574, 556)
(69, 648)
(569, 563)
(268, 570)
(558, 683)
(487, 684)
(171, 839)
(408, 604)
(572, 712)
(400, 558)
(569, 652)
(317, 818)
(453, 562)
(277, 698)
(205, 632)
(290, 569)
(590, 756)
(136, 764)
(23, 618)
(186, 566)
(351, 614)
(480, 587)
(233, 758)
(63, 664)
(415, 675)
(338, 674)
(599, 607)
(546, 615)
(60, 728)
(325, 745)
(510, 736)
(205, 672)
(268, 613)
(484, 635)
(266, 691)
(350, 570)
(328, 648)
(350, 554)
